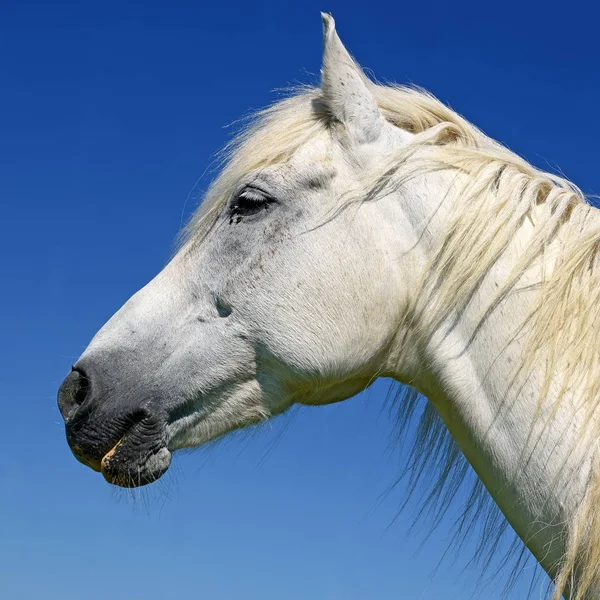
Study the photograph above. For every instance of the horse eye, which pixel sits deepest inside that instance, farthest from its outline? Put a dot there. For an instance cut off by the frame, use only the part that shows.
(248, 202)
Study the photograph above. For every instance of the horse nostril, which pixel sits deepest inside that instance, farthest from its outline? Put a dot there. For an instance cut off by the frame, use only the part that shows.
(72, 393)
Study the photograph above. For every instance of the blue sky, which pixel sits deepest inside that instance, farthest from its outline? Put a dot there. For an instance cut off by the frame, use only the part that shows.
(109, 115)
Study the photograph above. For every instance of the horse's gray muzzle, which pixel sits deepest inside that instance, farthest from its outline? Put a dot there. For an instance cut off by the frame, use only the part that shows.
(125, 443)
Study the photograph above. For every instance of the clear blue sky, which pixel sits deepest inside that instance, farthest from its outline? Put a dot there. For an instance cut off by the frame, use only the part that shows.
(109, 114)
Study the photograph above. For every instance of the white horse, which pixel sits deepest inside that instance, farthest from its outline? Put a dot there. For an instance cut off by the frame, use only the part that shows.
(360, 231)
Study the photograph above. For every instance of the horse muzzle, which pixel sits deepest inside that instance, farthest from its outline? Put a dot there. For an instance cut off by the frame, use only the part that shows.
(127, 444)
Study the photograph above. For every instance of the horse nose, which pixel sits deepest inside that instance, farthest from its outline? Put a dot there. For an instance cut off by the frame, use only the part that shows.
(72, 393)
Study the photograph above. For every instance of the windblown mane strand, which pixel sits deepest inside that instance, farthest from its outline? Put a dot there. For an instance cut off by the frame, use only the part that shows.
(500, 190)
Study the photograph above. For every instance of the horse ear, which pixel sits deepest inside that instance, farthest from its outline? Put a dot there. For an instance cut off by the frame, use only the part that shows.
(346, 90)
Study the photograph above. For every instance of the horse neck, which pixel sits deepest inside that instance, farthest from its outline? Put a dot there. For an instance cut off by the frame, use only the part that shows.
(527, 450)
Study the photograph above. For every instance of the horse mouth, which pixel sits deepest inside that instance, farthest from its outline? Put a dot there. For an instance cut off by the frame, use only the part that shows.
(139, 455)
(122, 468)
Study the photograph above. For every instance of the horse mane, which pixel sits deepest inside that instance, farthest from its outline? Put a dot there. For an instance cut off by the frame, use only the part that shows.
(499, 191)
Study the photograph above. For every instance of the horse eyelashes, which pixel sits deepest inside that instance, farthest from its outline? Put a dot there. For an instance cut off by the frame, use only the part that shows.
(249, 202)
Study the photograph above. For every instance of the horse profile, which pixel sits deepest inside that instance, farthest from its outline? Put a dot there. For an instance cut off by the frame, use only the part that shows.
(360, 231)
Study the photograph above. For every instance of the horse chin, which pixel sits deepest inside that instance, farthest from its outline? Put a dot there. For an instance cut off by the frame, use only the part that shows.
(123, 467)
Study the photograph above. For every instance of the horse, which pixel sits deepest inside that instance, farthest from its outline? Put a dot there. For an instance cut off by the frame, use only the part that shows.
(358, 231)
